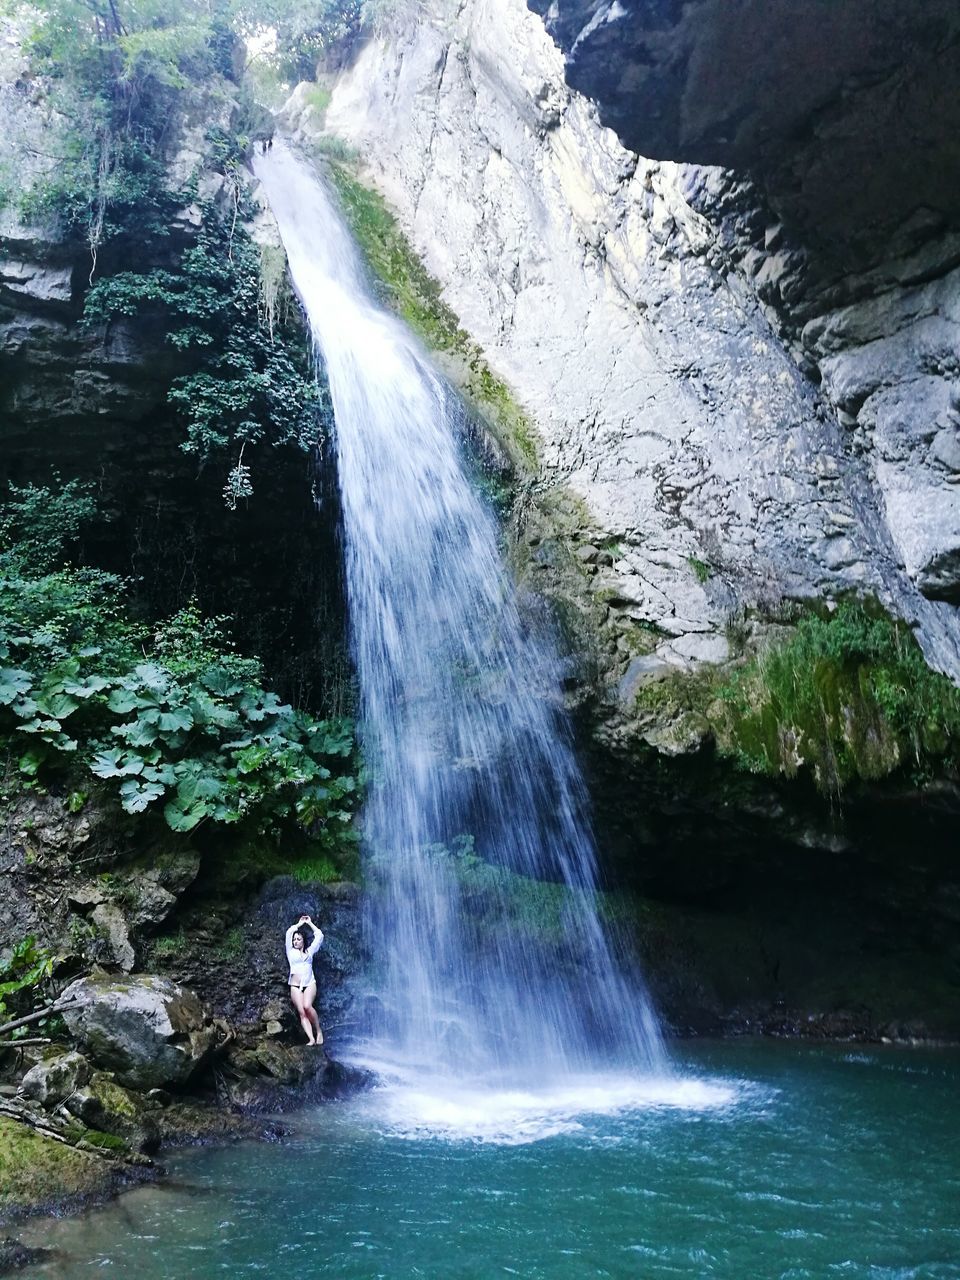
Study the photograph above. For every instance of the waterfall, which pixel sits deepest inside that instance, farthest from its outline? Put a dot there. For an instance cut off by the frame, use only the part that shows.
(491, 956)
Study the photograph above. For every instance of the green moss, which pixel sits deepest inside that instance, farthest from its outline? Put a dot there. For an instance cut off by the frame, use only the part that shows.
(231, 945)
(317, 97)
(413, 294)
(847, 695)
(108, 1142)
(701, 569)
(35, 1170)
(169, 945)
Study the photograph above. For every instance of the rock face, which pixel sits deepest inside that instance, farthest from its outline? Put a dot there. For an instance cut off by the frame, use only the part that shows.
(720, 449)
(146, 1029)
(846, 119)
(849, 113)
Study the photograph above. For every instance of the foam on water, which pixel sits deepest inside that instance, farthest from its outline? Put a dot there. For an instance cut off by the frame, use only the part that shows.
(462, 1111)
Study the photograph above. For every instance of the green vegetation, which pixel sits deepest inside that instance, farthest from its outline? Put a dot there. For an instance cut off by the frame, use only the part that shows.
(850, 695)
(306, 30)
(26, 966)
(411, 291)
(315, 870)
(35, 1169)
(117, 72)
(847, 695)
(701, 569)
(167, 714)
(232, 945)
(170, 946)
(317, 97)
(218, 305)
(123, 77)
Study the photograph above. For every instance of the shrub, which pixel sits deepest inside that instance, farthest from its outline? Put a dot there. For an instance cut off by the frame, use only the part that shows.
(167, 715)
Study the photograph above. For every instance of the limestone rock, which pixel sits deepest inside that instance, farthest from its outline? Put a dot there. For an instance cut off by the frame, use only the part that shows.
(707, 386)
(54, 1079)
(146, 1029)
(275, 1077)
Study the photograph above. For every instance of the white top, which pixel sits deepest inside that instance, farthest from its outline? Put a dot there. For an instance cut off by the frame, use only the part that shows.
(301, 962)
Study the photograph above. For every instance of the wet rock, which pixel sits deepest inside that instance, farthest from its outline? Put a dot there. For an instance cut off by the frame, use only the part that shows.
(38, 1173)
(277, 1077)
(257, 992)
(946, 449)
(54, 1079)
(146, 1029)
(104, 1105)
(14, 1255)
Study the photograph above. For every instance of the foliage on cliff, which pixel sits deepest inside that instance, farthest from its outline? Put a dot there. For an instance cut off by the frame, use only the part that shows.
(117, 72)
(847, 695)
(410, 290)
(250, 379)
(165, 713)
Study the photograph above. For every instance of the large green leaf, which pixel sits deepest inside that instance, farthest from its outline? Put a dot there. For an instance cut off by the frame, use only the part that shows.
(87, 687)
(116, 764)
(57, 705)
(136, 733)
(152, 677)
(13, 683)
(175, 720)
(135, 795)
(122, 701)
(221, 682)
(184, 819)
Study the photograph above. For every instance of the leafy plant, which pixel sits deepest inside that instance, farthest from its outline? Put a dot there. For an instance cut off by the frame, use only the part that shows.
(39, 523)
(24, 969)
(116, 71)
(169, 716)
(248, 380)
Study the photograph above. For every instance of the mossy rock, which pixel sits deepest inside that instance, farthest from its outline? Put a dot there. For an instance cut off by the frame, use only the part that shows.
(38, 1173)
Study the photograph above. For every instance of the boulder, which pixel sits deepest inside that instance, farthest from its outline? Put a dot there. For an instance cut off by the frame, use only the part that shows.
(146, 1029)
(273, 1077)
(54, 1079)
(107, 1107)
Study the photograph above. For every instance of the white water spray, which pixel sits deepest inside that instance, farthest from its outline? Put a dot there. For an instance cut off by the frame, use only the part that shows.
(486, 973)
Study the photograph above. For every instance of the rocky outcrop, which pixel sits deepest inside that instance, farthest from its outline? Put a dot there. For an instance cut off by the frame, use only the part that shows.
(626, 302)
(148, 1030)
(848, 114)
(845, 120)
(53, 1080)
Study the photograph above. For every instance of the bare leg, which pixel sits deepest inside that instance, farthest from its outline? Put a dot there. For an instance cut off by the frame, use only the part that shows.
(308, 998)
(296, 995)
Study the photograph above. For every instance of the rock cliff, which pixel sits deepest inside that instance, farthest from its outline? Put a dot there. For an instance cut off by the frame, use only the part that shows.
(742, 420)
(744, 387)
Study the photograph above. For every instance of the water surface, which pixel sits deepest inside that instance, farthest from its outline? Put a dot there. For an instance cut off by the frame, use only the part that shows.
(756, 1160)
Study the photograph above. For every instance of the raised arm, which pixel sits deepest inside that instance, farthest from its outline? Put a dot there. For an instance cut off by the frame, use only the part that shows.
(314, 946)
(291, 954)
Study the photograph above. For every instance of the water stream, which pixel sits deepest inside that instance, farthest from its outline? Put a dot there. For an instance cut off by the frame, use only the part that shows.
(476, 796)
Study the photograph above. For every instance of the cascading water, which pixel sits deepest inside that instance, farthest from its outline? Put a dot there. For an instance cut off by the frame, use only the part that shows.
(485, 973)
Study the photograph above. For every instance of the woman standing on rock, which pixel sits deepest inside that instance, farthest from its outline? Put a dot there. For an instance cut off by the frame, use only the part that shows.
(303, 985)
